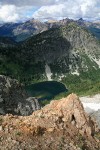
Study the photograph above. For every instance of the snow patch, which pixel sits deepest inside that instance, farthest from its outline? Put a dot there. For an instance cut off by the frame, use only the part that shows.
(91, 104)
(75, 72)
(98, 62)
(48, 72)
(62, 76)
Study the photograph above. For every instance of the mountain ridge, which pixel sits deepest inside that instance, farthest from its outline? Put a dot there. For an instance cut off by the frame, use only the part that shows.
(21, 31)
(72, 41)
(67, 49)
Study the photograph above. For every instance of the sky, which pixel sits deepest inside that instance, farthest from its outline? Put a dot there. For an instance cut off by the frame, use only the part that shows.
(21, 10)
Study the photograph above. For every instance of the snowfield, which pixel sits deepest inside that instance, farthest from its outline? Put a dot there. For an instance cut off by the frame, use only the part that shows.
(91, 103)
(92, 106)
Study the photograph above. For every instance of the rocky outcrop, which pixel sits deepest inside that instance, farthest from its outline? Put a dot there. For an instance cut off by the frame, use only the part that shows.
(67, 110)
(14, 99)
(62, 124)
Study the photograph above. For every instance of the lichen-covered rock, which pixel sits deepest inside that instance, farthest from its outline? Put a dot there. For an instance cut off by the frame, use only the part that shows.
(14, 99)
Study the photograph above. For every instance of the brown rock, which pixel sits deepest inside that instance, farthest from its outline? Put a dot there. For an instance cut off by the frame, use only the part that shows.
(66, 110)
(63, 124)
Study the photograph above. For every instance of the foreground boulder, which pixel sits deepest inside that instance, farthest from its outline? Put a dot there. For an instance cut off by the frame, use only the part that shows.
(14, 99)
(61, 125)
(67, 110)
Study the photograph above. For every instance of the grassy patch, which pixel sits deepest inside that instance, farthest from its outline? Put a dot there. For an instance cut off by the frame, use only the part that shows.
(1, 120)
(88, 83)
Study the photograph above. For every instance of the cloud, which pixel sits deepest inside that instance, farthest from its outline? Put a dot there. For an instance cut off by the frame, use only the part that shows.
(8, 13)
(29, 2)
(58, 11)
(70, 8)
(12, 13)
(16, 10)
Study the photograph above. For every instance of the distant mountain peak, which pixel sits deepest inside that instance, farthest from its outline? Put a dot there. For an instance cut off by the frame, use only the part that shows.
(81, 19)
(21, 31)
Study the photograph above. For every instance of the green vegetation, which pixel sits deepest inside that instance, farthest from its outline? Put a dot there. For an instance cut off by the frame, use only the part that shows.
(15, 63)
(82, 143)
(18, 133)
(1, 120)
(64, 49)
(97, 135)
(88, 83)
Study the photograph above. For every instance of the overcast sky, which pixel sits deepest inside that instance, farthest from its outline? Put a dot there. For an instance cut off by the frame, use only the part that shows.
(18, 10)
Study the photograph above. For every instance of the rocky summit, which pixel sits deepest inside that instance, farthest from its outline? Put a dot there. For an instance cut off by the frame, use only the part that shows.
(14, 99)
(60, 125)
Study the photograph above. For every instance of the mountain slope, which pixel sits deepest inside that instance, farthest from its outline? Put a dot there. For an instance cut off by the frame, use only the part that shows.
(65, 50)
(6, 41)
(21, 31)
(93, 27)
(95, 31)
(56, 52)
(6, 30)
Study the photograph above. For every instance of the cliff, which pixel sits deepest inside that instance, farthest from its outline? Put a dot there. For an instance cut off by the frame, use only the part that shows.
(14, 99)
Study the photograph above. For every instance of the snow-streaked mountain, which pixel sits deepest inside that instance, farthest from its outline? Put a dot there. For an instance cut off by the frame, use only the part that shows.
(53, 53)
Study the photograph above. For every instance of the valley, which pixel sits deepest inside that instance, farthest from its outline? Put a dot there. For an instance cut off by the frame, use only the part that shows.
(41, 65)
(69, 54)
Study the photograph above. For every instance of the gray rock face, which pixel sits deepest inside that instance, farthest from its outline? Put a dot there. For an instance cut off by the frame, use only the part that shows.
(14, 99)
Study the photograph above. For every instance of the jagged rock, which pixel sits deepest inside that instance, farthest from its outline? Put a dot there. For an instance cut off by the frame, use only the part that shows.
(66, 110)
(14, 99)
(63, 124)
(22, 31)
